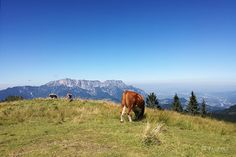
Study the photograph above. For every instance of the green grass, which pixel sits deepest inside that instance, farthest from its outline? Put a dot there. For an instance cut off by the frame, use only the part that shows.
(43, 127)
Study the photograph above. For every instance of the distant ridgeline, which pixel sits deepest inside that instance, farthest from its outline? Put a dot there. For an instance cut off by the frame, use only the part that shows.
(86, 89)
(228, 114)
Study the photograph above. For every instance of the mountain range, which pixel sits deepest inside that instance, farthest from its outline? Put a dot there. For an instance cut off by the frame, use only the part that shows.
(112, 90)
(85, 89)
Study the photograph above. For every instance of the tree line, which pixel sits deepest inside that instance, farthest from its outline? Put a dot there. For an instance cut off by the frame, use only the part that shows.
(12, 98)
(193, 107)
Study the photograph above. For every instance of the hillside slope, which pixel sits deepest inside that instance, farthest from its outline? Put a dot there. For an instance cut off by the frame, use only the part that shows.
(43, 127)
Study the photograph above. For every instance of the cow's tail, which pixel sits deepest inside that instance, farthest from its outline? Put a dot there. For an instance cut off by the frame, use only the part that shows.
(142, 111)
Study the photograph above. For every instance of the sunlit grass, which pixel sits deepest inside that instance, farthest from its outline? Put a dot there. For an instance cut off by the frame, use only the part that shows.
(46, 127)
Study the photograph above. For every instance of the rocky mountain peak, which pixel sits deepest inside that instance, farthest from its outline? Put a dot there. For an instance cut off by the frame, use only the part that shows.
(86, 84)
(87, 89)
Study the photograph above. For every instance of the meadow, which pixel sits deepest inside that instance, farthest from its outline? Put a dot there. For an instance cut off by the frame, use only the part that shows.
(57, 127)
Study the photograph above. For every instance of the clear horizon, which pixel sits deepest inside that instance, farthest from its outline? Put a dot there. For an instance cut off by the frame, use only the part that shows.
(157, 87)
(184, 44)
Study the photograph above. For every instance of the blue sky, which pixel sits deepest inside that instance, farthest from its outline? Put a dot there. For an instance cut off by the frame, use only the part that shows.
(138, 41)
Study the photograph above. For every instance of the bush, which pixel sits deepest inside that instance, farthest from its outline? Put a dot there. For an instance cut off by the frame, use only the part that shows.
(13, 98)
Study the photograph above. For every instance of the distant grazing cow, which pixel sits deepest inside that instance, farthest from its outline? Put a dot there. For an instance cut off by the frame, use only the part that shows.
(54, 96)
(69, 96)
(133, 101)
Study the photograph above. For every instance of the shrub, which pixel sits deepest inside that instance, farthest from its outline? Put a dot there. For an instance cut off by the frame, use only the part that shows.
(13, 98)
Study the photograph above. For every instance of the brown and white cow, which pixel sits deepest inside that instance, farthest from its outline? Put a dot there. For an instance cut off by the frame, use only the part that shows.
(132, 101)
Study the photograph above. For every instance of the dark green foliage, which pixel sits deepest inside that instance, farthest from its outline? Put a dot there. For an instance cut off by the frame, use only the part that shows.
(152, 101)
(176, 105)
(192, 107)
(13, 98)
(203, 108)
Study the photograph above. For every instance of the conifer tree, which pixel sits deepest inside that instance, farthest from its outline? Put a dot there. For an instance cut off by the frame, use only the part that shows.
(192, 107)
(176, 105)
(152, 101)
(203, 108)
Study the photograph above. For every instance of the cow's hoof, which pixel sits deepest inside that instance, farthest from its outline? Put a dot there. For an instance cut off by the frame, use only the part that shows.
(122, 121)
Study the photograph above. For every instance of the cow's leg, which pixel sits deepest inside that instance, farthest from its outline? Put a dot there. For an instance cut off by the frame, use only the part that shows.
(129, 116)
(122, 113)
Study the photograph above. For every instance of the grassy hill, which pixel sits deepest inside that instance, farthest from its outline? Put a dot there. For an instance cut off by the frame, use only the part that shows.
(43, 127)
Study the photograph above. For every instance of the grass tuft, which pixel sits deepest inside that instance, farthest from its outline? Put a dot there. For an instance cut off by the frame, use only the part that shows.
(151, 136)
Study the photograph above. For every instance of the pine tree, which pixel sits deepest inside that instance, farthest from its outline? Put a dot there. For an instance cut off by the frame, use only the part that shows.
(152, 101)
(203, 108)
(192, 107)
(176, 105)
